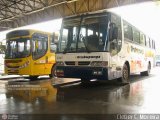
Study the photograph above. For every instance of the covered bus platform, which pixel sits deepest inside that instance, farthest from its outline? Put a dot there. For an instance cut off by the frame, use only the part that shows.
(68, 98)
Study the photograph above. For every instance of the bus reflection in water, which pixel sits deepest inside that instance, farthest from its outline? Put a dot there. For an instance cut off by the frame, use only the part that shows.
(30, 92)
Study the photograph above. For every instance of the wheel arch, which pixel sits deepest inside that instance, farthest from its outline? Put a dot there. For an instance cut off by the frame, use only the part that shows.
(128, 65)
(53, 67)
(150, 63)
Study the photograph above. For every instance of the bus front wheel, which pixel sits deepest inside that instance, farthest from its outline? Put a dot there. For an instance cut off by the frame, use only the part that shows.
(125, 74)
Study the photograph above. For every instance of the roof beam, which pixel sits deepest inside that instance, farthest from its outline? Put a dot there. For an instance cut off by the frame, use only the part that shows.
(54, 9)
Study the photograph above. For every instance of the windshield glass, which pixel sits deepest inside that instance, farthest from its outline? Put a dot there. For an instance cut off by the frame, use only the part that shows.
(17, 48)
(84, 34)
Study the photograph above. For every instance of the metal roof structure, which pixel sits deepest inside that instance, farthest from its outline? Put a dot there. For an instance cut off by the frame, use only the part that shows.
(16, 13)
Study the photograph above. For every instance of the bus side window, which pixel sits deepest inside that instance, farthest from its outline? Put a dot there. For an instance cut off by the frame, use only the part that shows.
(150, 44)
(154, 45)
(147, 42)
(142, 39)
(127, 31)
(136, 36)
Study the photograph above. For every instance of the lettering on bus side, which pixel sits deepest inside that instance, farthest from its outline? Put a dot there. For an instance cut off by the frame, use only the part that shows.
(88, 57)
(136, 50)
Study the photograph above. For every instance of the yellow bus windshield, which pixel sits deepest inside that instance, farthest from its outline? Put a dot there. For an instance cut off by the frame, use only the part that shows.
(18, 48)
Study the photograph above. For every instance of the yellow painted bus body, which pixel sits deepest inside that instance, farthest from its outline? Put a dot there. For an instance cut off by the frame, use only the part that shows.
(28, 65)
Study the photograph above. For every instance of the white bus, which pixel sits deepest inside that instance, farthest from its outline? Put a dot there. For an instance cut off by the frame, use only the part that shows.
(2, 55)
(102, 46)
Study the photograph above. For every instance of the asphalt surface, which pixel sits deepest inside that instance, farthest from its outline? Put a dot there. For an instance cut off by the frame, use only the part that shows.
(45, 97)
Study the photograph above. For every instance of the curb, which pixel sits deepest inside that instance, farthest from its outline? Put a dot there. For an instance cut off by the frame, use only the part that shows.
(7, 78)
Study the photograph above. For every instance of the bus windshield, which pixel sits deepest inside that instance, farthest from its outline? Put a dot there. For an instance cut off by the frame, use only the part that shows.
(84, 34)
(17, 48)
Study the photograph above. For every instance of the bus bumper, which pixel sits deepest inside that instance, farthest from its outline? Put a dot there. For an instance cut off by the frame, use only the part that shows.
(100, 73)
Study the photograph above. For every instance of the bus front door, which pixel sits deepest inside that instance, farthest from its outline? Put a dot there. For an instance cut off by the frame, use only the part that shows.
(113, 61)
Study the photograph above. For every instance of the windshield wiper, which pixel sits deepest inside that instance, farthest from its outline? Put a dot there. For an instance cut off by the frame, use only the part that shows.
(83, 39)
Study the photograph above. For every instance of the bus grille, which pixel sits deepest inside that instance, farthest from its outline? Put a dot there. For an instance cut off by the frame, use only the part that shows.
(13, 61)
(70, 63)
(13, 71)
(12, 66)
(84, 63)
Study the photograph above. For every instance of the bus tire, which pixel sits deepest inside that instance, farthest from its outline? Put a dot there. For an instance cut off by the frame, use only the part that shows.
(32, 78)
(146, 73)
(53, 72)
(125, 74)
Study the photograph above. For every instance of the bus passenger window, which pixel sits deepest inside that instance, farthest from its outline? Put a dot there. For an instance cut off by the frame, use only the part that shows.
(136, 36)
(142, 39)
(147, 42)
(152, 44)
(127, 31)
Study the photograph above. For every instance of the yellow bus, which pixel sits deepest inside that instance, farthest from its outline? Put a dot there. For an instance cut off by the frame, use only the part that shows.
(30, 52)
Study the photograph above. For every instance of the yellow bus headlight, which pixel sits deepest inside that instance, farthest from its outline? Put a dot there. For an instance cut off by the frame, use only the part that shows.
(24, 65)
(60, 63)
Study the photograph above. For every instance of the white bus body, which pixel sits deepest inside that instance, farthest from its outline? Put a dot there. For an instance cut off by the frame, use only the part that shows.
(123, 50)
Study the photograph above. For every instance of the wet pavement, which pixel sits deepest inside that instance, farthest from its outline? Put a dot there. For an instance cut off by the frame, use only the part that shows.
(141, 96)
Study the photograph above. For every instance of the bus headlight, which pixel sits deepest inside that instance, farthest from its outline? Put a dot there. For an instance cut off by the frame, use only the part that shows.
(60, 63)
(99, 64)
(24, 65)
